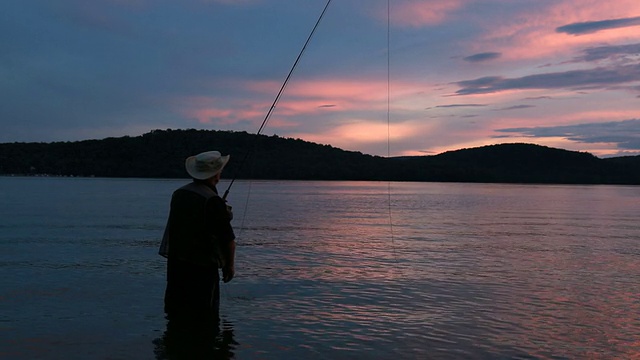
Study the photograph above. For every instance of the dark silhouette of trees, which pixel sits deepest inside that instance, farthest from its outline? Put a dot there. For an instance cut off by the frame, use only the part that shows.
(161, 154)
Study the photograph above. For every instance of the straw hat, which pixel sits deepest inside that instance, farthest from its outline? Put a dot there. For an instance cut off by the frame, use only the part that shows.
(205, 165)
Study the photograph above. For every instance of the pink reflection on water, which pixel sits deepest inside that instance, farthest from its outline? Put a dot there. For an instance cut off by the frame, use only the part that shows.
(486, 265)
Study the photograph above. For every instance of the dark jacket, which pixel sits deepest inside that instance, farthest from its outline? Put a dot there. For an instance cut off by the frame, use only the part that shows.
(199, 224)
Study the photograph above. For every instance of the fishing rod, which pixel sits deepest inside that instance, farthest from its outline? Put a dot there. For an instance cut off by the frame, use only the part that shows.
(275, 101)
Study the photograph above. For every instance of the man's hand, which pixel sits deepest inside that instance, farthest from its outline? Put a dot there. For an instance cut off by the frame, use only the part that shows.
(230, 211)
(227, 273)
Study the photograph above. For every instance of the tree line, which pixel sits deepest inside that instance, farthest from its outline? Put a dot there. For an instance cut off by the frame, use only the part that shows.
(161, 154)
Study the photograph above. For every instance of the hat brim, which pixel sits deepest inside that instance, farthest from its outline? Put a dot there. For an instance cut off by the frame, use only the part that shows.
(190, 165)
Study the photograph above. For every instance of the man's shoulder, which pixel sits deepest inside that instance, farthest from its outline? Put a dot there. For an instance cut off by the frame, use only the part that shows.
(200, 189)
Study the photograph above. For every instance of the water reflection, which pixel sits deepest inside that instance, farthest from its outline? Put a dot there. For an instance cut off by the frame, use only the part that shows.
(466, 271)
(201, 340)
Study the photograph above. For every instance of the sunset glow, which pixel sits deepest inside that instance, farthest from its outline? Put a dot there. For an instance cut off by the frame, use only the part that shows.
(419, 77)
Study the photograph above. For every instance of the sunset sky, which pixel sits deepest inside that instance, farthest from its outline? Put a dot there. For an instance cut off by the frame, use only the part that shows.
(423, 78)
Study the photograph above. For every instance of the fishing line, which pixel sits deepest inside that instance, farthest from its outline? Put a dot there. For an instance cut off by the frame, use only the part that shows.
(223, 291)
(393, 246)
(275, 101)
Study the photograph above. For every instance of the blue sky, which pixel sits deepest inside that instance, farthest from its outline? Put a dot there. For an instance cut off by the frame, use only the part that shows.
(422, 78)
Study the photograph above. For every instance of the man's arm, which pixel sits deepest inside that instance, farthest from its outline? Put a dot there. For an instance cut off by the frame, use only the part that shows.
(223, 235)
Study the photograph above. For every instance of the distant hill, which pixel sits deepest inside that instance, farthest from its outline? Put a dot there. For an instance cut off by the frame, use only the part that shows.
(526, 163)
(161, 154)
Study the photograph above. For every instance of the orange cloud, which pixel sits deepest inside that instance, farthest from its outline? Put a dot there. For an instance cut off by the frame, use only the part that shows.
(356, 134)
(360, 89)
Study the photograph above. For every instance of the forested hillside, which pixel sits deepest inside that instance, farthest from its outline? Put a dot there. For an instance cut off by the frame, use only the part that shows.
(161, 154)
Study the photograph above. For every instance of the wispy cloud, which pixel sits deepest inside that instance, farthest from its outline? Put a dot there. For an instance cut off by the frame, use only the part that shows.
(625, 134)
(515, 107)
(481, 57)
(455, 106)
(589, 27)
(573, 79)
(544, 97)
(631, 51)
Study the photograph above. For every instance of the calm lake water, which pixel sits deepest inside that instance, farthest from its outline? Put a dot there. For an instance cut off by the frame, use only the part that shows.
(329, 270)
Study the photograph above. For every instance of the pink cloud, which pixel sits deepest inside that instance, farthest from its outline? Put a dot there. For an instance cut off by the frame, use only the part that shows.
(348, 113)
(207, 110)
(361, 132)
(362, 89)
(300, 99)
(332, 95)
(418, 13)
(533, 35)
(351, 114)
